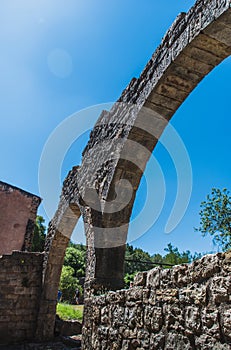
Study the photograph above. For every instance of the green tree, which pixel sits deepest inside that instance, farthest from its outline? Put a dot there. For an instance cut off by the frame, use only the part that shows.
(135, 260)
(174, 257)
(75, 257)
(157, 258)
(68, 284)
(39, 235)
(73, 270)
(215, 217)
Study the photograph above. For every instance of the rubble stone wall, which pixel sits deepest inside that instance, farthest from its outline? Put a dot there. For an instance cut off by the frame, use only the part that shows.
(186, 307)
(20, 292)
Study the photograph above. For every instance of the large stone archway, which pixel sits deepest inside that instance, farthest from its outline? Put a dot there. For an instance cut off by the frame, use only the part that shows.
(103, 188)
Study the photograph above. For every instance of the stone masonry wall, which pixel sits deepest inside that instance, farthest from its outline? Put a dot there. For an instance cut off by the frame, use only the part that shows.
(186, 307)
(20, 290)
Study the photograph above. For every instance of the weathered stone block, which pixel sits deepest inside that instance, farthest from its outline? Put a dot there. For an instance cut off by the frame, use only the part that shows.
(204, 268)
(153, 278)
(220, 32)
(105, 320)
(117, 316)
(116, 297)
(226, 325)
(180, 275)
(210, 322)
(153, 318)
(144, 338)
(206, 342)
(133, 317)
(173, 317)
(134, 294)
(193, 294)
(177, 341)
(103, 332)
(140, 279)
(166, 279)
(193, 319)
(220, 289)
(167, 296)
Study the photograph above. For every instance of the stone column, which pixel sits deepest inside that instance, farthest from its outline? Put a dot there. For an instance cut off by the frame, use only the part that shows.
(58, 237)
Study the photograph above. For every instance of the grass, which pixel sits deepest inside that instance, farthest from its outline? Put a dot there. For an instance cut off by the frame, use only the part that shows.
(70, 312)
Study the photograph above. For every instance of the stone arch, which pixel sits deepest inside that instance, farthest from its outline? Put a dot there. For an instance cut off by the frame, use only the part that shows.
(196, 43)
(103, 188)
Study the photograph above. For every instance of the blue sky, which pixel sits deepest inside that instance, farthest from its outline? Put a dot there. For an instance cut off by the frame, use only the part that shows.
(60, 57)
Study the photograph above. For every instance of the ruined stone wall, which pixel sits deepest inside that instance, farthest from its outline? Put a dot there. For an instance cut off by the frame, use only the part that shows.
(103, 188)
(20, 289)
(104, 185)
(186, 307)
(18, 210)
